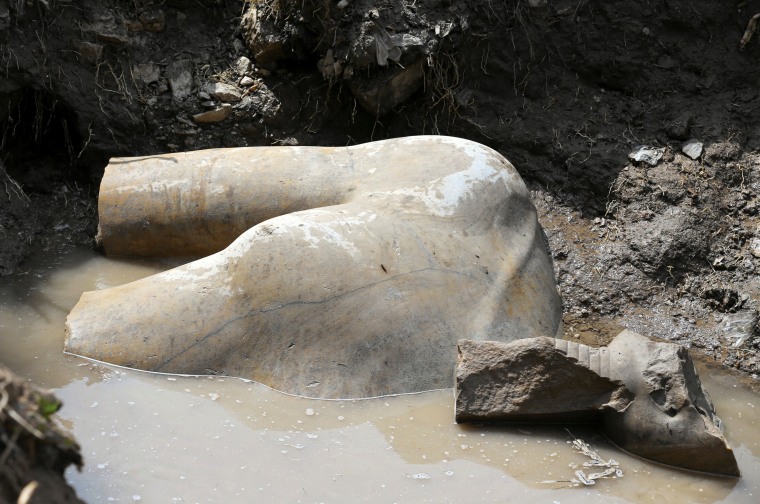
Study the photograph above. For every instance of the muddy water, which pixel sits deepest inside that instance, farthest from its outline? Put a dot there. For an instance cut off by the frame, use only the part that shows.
(157, 438)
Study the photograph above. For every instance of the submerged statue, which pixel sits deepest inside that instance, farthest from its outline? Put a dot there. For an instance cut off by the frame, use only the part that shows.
(335, 272)
(646, 395)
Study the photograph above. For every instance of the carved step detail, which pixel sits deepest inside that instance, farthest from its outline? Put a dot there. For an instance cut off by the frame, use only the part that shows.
(597, 359)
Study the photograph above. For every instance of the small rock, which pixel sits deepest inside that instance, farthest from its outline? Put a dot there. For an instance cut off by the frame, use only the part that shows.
(680, 127)
(209, 104)
(153, 20)
(180, 75)
(380, 95)
(537, 3)
(754, 247)
(342, 4)
(238, 46)
(146, 73)
(263, 72)
(265, 40)
(204, 95)
(162, 86)
(330, 68)
(646, 393)
(243, 66)
(113, 38)
(246, 81)
(5, 16)
(692, 148)
(666, 62)
(224, 92)
(91, 53)
(107, 28)
(134, 25)
(216, 115)
(647, 154)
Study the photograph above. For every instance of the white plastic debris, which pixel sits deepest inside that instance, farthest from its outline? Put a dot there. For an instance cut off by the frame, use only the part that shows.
(647, 154)
(583, 478)
(692, 148)
(739, 327)
(611, 467)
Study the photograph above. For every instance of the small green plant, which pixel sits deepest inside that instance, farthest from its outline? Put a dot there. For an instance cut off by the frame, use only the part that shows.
(47, 406)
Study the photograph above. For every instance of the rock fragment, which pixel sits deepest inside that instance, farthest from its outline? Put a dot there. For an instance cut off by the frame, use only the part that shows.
(243, 66)
(107, 28)
(90, 52)
(646, 394)
(146, 73)
(541, 379)
(264, 40)
(153, 20)
(680, 127)
(216, 115)
(180, 75)
(755, 247)
(224, 92)
(379, 95)
(692, 148)
(647, 154)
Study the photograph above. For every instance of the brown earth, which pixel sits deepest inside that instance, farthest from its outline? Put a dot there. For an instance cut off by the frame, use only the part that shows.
(565, 89)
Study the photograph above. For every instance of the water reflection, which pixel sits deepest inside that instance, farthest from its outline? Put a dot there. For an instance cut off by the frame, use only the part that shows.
(158, 438)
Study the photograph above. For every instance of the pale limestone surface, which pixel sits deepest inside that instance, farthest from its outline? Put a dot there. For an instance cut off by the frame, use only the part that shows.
(335, 272)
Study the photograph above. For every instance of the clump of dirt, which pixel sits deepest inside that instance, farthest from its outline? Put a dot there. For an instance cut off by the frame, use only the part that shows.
(34, 450)
(567, 90)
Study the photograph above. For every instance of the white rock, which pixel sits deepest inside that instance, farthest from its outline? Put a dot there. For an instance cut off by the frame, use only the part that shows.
(754, 247)
(243, 66)
(224, 92)
(692, 148)
(218, 114)
(647, 154)
(180, 75)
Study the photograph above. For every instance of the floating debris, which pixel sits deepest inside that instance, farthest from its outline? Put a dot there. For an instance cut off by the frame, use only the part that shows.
(421, 476)
(611, 467)
(739, 327)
